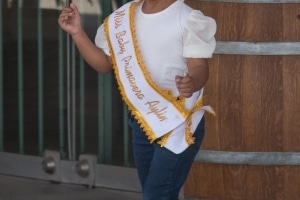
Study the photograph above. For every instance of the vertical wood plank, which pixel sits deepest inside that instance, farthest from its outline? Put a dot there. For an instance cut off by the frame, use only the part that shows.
(205, 181)
(230, 102)
(272, 103)
(252, 95)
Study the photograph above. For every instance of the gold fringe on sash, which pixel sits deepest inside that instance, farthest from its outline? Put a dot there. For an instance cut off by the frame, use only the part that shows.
(178, 102)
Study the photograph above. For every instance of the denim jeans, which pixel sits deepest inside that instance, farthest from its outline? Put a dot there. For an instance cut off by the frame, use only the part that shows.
(161, 172)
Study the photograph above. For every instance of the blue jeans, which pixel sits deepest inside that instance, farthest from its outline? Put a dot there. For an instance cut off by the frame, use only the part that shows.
(161, 172)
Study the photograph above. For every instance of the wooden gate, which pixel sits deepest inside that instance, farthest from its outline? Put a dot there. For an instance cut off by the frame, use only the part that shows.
(254, 87)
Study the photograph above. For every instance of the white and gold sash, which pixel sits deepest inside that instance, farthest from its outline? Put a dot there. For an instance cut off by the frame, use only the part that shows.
(159, 113)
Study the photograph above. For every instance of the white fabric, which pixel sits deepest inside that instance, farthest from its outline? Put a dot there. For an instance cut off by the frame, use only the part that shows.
(154, 111)
(167, 38)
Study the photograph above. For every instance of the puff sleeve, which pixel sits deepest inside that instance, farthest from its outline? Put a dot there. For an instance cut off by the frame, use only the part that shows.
(198, 36)
(100, 40)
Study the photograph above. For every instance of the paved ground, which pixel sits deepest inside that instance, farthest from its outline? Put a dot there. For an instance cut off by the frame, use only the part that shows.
(15, 188)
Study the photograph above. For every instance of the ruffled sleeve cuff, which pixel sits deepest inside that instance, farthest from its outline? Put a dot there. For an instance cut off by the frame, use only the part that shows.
(198, 36)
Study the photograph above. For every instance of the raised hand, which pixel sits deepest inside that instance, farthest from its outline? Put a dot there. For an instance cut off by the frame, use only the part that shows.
(70, 20)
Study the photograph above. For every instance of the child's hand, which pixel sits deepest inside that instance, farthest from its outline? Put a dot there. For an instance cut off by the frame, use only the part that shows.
(184, 85)
(69, 20)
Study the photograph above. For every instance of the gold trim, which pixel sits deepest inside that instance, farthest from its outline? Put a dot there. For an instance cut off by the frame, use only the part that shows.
(134, 111)
(167, 94)
(178, 102)
(164, 139)
(189, 138)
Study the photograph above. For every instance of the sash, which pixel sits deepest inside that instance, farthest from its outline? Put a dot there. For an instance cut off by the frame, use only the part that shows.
(159, 113)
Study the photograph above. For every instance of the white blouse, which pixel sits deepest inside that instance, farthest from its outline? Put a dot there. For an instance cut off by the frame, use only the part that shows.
(167, 38)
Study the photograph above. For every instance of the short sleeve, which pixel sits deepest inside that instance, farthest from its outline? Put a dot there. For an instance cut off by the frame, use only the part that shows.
(100, 40)
(199, 36)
